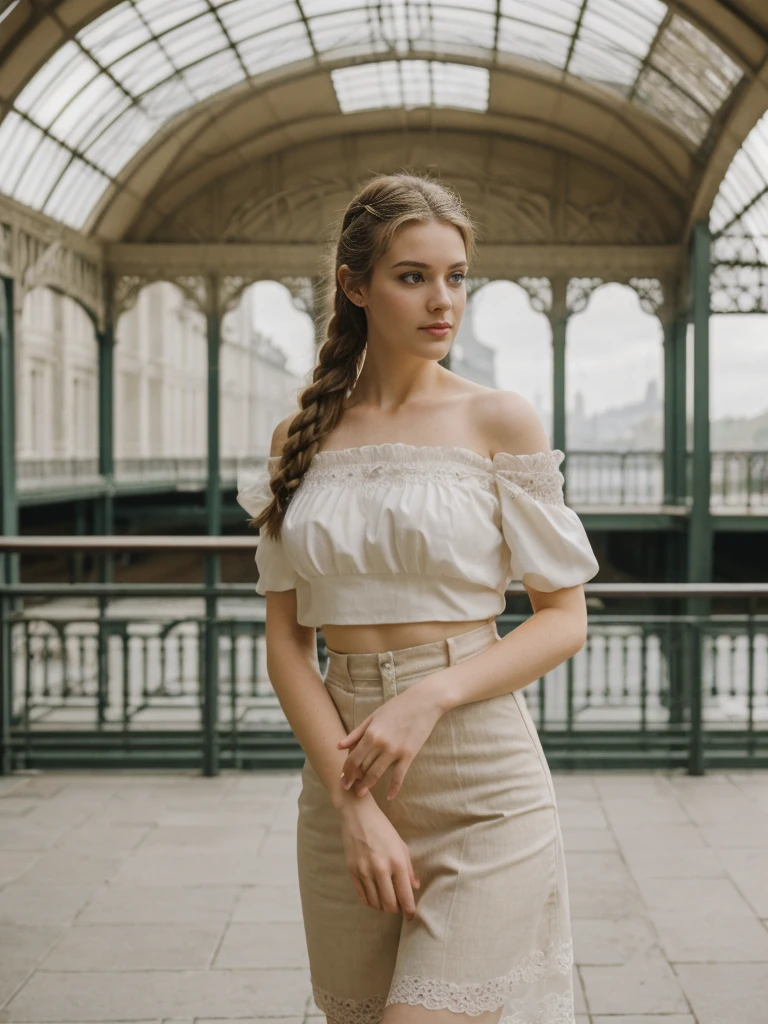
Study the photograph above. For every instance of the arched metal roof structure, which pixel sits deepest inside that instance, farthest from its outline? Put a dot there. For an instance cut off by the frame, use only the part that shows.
(100, 98)
(589, 133)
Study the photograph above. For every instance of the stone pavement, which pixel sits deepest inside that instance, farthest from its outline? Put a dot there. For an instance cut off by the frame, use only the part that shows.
(169, 898)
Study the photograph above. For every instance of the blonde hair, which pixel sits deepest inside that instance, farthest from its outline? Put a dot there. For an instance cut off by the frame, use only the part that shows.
(367, 231)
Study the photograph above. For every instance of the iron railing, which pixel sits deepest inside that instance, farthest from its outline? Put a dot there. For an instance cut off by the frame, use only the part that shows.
(176, 675)
(739, 479)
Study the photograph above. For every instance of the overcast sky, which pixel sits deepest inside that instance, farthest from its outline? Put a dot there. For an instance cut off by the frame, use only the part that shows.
(614, 348)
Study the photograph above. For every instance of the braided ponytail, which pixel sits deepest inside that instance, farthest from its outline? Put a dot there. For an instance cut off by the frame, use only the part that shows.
(368, 228)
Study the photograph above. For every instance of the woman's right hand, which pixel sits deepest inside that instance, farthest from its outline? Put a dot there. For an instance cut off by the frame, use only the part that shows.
(378, 859)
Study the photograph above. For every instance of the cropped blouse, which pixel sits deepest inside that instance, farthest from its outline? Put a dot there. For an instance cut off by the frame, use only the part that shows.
(389, 533)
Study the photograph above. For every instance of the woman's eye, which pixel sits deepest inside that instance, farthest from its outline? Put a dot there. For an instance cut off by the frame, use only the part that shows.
(415, 273)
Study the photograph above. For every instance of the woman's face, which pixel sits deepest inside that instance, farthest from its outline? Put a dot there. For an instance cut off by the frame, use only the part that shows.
(419, 281)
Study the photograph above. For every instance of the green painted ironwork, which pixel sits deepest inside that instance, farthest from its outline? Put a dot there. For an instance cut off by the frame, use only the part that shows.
(700, 531)
(9, 511)
(210, 653)
(663, 690)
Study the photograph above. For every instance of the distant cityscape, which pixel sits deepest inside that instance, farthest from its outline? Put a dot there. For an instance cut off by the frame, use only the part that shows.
(629, 427)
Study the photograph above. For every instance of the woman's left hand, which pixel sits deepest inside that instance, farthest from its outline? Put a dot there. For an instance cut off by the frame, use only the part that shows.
(392, 734)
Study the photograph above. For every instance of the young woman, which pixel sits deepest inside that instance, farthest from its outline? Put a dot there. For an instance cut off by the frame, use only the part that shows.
(396, 507)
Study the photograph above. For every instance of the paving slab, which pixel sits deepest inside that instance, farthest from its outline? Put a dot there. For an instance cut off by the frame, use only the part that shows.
(87, 996)
(169, 898)
(645, 983)
(726, 993)
(135, 947)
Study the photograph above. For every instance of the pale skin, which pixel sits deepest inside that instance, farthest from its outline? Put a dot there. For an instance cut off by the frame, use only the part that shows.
(403, 394)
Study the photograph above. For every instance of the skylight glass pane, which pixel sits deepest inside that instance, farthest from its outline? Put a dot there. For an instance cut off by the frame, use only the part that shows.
(18, 140)
(741, 188)
(746, 178)
(241, 20)
(461, 86)
(460, 28)
(542, 44)
(411, 83)
(623, 27)
(194, 40)
(56, 84)
(313, 8)
(394, 25)
(281, 46)
(167, 15)
(141, 71)
(114, 34)
(695, 64)
(214, 74)
(166, 101)
(558, 15)
(42, 172)
(338, 31)
(416, 83)
(726, 206)
(121, 140)
(657, 94)
(367, 86)
(486, 6)
(593, 61)
(102, 123)
(78, 191)
(87, 109)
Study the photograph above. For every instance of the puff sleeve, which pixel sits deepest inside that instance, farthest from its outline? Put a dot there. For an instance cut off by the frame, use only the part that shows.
(254, 494)
(548, 544)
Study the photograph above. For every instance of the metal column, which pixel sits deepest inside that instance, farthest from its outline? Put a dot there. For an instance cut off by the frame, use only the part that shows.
(104, 512)
(105, 515)
(675, 442)
(700, 536)
(213, 525)
(558, 318)
(9, 510)
(700, 527)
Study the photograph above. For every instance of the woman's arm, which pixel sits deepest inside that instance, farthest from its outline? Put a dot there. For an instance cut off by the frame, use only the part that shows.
(554, 633)
(295, 676)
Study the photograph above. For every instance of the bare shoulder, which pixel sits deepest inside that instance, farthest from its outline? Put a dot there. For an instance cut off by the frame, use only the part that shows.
(280, 434)
(509, 422)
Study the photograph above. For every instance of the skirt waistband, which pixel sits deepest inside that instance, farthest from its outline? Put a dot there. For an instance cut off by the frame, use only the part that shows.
(410, 661)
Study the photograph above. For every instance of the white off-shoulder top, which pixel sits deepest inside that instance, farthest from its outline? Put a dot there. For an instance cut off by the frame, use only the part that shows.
(389, 533)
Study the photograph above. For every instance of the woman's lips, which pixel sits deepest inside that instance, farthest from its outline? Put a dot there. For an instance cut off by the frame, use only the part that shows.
(438, 332)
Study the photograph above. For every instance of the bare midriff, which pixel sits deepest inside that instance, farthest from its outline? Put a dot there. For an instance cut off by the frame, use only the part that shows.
(392, 636)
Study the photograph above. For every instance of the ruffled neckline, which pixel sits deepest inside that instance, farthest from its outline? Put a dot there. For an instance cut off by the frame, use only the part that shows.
(398, 451)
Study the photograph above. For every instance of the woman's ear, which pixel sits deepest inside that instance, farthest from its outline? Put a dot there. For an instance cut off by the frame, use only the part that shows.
(354, 294)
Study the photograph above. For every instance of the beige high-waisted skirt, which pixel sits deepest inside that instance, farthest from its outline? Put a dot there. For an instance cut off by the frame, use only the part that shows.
(477, 811)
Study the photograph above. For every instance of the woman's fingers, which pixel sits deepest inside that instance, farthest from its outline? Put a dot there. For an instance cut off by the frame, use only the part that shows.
(371, 891)
(401, 767)
(355, 765)
(404, 890)
(373, 773)
(389, 901)
(360, 890)
(414, 880)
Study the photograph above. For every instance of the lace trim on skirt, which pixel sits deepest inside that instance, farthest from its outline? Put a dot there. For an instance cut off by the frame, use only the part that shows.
(472, 999)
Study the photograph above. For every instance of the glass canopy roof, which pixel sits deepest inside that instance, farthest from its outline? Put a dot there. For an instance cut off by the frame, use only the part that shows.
(741, 206)
(106, 92)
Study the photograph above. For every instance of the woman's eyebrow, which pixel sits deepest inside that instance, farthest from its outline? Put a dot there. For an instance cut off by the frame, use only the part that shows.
(415, 263)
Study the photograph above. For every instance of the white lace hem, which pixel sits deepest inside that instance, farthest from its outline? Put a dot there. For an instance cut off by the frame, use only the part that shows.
(555, 1009)
(486, 995)
(473, 999)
